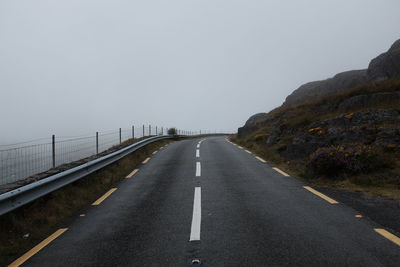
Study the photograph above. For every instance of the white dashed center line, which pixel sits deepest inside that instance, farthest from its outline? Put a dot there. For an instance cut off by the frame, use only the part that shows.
(196, 218)
(197, 153)
(198, 169)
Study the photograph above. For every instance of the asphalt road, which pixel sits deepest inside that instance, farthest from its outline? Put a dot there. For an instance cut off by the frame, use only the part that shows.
(242, 213)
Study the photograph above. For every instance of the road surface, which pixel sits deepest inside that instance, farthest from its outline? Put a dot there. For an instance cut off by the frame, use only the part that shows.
(213, 203)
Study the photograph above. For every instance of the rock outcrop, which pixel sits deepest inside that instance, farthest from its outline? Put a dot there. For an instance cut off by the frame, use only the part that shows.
(338, 83)
(383, 67)
(362, 101)
(251, 124)
(386, 65)
(346, 130)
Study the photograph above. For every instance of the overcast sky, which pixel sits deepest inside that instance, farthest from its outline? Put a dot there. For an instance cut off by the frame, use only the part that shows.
(77, 66)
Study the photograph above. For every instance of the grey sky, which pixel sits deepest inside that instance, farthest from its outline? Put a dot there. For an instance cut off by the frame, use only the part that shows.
(76, 66)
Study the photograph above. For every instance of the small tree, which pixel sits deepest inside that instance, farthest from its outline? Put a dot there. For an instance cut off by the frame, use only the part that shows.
(172, 131)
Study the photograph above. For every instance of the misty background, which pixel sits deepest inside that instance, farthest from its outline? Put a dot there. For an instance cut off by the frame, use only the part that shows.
(76, 67)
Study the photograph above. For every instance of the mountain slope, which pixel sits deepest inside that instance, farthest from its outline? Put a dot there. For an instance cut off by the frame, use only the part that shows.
(333, 129)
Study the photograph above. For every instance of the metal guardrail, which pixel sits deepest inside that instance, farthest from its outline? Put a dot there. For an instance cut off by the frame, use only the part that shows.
(21, 160)
(18, 197)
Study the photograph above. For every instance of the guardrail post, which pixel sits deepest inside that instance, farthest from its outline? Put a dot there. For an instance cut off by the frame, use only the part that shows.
(143, 130)
(133, 131)
(53, 149)
(120, 135)
(149, 130)
(156, 131)
(162, 130)
(97, 143)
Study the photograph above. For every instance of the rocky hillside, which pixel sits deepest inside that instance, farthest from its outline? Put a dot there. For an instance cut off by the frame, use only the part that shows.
(383, 67)
(349, 124)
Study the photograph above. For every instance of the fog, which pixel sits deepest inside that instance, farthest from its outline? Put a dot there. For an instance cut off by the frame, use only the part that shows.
(76, 67)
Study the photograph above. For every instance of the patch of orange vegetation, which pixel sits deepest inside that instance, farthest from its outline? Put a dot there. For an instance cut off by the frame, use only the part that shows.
(317, 131)
(349, 116)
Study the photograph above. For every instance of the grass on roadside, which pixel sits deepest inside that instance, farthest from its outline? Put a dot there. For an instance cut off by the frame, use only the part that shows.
(375, 184)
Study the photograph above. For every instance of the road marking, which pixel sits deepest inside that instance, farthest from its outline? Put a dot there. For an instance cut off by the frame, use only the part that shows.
(388, 235)
(260, 159)
(145, 161)
(240, 147)
(132, 173)
(248, 151)
(325, 197)
(197, 153)
(155, 152)
(198, 145)
(82, 215)
(196, 218)
(106, 195)
(37, 248)
(281, 172)
(358, 216)
(198, 169)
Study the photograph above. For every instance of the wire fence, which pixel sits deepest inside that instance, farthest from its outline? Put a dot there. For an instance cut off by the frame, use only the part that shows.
(22, 160)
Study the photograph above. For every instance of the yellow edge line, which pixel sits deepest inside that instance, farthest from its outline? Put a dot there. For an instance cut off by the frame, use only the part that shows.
(106, 195)
(281, 172)
(325, 197)
(132, 173)
(260, 159)
(388, 235)
(37, 248)
(145, 161)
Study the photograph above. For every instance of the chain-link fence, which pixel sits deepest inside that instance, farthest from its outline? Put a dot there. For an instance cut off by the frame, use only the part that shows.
(21, 160)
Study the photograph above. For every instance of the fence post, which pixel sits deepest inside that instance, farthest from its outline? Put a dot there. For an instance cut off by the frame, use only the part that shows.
(156, 131)
(133, 131)
(149, 130)
(162, 130)
(53, 146)
(97, 143)
(120, 136)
